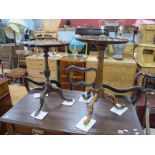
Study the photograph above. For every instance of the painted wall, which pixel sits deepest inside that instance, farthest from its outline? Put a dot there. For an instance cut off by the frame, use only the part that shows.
(92, 22)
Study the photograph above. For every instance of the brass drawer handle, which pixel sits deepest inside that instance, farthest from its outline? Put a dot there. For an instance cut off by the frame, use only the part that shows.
(37, 132)
(41, 72)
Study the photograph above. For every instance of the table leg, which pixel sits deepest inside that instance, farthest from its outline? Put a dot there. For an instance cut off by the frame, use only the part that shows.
(90, 109)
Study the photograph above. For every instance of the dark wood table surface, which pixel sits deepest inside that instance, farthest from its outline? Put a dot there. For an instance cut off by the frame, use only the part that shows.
(63, 119)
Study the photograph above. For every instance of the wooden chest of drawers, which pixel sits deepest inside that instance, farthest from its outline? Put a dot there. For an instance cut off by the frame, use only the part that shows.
(147, 34)
(5, 101)
(119, 74)
(64, 63)
(35, 68)
(145, 58)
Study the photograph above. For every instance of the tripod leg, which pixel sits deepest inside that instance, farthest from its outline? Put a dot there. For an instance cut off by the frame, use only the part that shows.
(59, 91)
(90, 110)
(115, 101)
(42, 97)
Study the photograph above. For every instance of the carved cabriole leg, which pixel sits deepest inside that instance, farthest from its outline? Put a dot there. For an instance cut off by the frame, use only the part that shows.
(114, 100)
(59, 91)
(99, 91)
(90, 109)
(42, 97)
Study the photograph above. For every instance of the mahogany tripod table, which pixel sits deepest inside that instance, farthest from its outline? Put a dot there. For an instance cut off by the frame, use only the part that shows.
(101, 43)
(48, 88)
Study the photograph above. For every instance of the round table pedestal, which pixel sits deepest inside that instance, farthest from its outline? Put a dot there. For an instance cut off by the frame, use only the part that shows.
(48, 87)
(46, 45)
(99, 90)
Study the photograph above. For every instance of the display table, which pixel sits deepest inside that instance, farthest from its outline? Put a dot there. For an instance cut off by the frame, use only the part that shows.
(48, 88)
(62, 119)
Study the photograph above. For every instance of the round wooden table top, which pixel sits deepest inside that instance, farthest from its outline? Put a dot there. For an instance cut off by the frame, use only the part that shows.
(45, 43)
(101, 40)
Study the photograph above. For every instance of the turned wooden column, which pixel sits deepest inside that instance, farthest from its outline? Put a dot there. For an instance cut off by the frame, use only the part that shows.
(100, 65)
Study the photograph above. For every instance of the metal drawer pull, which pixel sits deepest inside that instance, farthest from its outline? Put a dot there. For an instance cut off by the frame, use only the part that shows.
(37, 132)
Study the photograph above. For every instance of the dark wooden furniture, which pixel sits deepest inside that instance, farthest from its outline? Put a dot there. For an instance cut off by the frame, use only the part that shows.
(101, 43)
(5, 101)
(46, 45)
(63, 119)
(76, 76)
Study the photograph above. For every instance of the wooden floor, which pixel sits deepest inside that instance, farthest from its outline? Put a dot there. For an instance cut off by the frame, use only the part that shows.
(17, 92)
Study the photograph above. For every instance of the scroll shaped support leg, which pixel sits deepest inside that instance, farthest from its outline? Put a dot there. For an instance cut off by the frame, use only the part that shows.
(59, 91)
(90, 110)
(114, 101)
(42, 97)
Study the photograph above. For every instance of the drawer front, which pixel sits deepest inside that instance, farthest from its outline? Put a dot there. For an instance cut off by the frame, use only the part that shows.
(40, 74)
(150, 27)
(149, 37)
(20, 129)
(147, 70)
(125, 74)
(4, 88)
(66, 85)
(73, 72)
(40, 64)
(65, 64)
